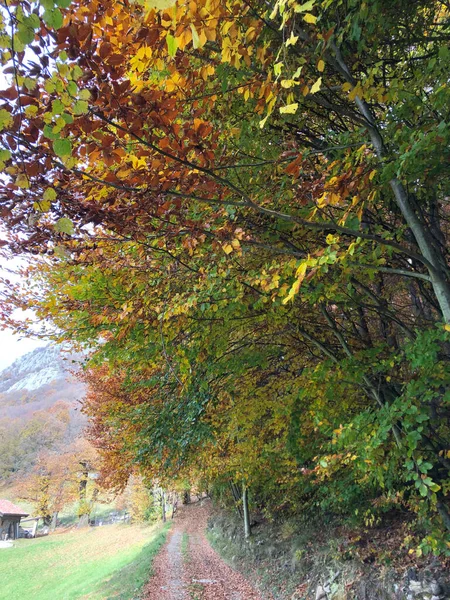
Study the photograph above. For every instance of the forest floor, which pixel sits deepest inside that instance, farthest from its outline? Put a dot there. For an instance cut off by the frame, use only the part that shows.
(188, 568)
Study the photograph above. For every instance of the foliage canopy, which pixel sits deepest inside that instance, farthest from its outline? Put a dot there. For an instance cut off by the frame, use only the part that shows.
(242, 209)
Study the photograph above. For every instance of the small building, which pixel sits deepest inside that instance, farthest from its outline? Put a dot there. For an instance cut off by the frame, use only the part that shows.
(10, 516)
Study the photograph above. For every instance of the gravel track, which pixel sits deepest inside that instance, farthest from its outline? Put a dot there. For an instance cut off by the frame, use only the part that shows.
(193, 570)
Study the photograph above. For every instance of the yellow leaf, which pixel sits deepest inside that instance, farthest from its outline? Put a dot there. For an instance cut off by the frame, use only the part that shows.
(290, 109)
(203, 38)
(22, 181)
(306, 6)
(292, 40)
(263, 122)
(309, 18)
(316, 87)
(227, 248)
(300, 274)
(159, 4)
(447, 327)
(356, 91)
(320, 66)
(42, 206)
(277, 68)
(372, 175)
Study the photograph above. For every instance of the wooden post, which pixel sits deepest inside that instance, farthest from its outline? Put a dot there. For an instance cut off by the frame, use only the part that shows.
(35, 526)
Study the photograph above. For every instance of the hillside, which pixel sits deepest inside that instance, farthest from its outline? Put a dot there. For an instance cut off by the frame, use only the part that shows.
(39, 406)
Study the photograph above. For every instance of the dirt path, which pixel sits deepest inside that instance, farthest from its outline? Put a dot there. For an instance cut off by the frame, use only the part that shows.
(188, 568)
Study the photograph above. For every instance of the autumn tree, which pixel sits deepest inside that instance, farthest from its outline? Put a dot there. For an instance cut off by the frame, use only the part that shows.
(243, 213)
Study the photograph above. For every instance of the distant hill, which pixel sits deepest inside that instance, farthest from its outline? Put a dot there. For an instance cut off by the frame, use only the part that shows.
(37, 380)
(40, 401)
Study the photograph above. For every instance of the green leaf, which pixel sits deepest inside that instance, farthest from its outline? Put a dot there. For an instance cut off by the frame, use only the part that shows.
(26, 34)
(53, 18)
(64, 225)
(72, 89)
(19, 46)
(67, 118)
(84, 94)
(76, 72)
(32, 21)
(80, 107)
(63, 3)
(171, 44)
(195, 38)
(5, 155)
(49, 194)
(57, 107)
(423, 490)
(304, 7)
(62, 147)
(6, 119)
(48, 132)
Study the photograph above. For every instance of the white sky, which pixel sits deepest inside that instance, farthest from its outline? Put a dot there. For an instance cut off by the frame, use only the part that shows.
(12, 347)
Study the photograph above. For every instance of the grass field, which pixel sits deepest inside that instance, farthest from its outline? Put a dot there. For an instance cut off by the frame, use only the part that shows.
(101, 563)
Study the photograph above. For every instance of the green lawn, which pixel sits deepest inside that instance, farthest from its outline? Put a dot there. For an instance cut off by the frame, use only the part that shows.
(100, 563)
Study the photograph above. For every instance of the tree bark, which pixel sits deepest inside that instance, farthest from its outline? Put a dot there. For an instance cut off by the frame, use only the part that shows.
(435, 260)
(163, 505)
(54, 521)
(247, 528)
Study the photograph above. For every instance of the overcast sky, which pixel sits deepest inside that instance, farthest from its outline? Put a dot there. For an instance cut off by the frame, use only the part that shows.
(11, 347)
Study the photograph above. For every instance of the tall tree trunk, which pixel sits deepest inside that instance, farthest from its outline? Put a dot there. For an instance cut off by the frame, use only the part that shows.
(435, 261)
(163, 505)
(237, 498)
(247, 529)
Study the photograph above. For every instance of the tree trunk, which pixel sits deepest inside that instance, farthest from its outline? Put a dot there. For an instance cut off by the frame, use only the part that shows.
(83, 520)
(247, 529)
(435, 261)
(174, 505)
(54, 521)
(163, 505)
(237, 498)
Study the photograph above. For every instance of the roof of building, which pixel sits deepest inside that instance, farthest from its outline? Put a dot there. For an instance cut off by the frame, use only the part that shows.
(8, 508)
